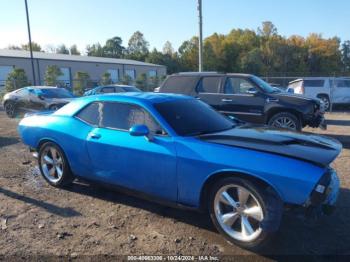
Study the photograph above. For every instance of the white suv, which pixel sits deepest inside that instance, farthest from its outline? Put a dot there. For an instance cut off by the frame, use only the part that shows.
(328, 89)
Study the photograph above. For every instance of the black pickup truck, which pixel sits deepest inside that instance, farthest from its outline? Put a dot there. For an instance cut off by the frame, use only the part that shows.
(248, 98)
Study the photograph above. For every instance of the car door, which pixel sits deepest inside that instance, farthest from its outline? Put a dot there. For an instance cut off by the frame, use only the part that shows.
(341, 91)
(132, 162)
(208, 90)
(241, 98)
(36, 100)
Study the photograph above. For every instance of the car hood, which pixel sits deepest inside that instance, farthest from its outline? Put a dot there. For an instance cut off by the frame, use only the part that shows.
(296, 96)
(316, 149)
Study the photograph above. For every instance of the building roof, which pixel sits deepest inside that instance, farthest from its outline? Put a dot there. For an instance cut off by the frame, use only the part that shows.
(74, 58)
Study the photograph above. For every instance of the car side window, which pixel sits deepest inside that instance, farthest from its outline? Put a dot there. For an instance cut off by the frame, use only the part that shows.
(236, 85)
(107, 90)
(91, 114)
(118, 89)
(123, 116)
(209, 84)
(22, 92)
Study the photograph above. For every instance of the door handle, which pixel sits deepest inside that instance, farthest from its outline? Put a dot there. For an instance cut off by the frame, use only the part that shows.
(198, 98)
(271, 100)
(226, 100)
(94, 136)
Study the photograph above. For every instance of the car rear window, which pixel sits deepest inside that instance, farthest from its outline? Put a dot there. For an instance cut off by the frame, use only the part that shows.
(179, 84)
(91, 114)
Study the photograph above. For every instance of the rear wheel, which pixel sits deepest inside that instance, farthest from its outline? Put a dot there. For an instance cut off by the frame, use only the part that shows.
(285, 120)
(54, 165)
(326, 102)
(54, 107)
(10, 109)
(243, 213)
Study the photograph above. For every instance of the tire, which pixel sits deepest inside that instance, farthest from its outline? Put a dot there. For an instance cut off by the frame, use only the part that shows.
(260, 214)
(54, 107)
(54, 166)
(285, 120)
(10, 109)
(325, 100)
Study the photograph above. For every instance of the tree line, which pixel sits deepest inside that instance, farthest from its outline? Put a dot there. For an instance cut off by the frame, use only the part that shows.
(262, 52)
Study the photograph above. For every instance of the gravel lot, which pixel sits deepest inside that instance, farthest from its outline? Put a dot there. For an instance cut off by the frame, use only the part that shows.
(36, 219)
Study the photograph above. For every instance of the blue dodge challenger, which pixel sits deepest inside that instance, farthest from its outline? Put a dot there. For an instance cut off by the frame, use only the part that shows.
(180, 151)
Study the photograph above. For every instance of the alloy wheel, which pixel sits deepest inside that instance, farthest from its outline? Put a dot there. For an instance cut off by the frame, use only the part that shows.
(10, 109)
(238, 212)
(52, 164)
(284, 122)
(325, 102)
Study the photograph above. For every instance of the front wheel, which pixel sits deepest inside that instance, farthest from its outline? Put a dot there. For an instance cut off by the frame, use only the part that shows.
(54, 165)
(244, 214)
(10, 109)
(285, 120)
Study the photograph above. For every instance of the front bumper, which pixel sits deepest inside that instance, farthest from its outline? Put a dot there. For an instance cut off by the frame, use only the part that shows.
(316, 120)
(325, 194)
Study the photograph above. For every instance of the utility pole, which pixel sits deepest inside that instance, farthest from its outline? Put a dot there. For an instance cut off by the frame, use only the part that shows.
(200, 51)
(30, 42)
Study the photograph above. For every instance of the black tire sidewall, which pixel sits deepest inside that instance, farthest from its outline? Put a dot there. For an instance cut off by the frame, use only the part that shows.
(67, 177)
(258, 243)
(295, 119)
(14, 109)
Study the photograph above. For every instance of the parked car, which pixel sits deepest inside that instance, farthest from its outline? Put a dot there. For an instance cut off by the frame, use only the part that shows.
(34, 98)
(248, 98)
(328, 89)
(111, 89)
(178, 150)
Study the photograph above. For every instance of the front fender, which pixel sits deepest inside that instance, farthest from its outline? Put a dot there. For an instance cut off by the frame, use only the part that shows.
(292, 179)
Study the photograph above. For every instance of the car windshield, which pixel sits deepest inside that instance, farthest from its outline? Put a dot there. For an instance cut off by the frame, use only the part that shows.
(131, 89)
(190, 117)
(265, 86)
(55, 93)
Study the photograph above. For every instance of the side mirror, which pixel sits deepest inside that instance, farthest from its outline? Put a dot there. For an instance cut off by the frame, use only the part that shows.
(252, 91)
(140, 130)
(41, 97)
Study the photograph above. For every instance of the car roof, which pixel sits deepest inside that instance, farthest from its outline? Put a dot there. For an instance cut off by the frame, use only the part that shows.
(148, 97)
(115, 85)
(138, 98)
(211, 74)
(42, 87)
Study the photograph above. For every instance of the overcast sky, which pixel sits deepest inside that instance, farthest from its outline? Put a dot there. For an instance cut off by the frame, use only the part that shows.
(84, 22)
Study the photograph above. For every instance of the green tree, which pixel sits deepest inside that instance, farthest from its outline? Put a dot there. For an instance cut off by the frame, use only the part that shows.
(137, 47)
(346, 56)
(74, 50)
(188, 55)
(81, 80)
(35, 46)
(141, 82)
(51, 75)
(106, 79)
(153, 82)
(95, 50)
(168, 49)
(126, 80)
(62, 49)
(16, 79)
(113, 47)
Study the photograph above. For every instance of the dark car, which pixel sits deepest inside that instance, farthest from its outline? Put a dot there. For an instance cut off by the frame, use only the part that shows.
(111, 89)
(249, 99)
(36, 98)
